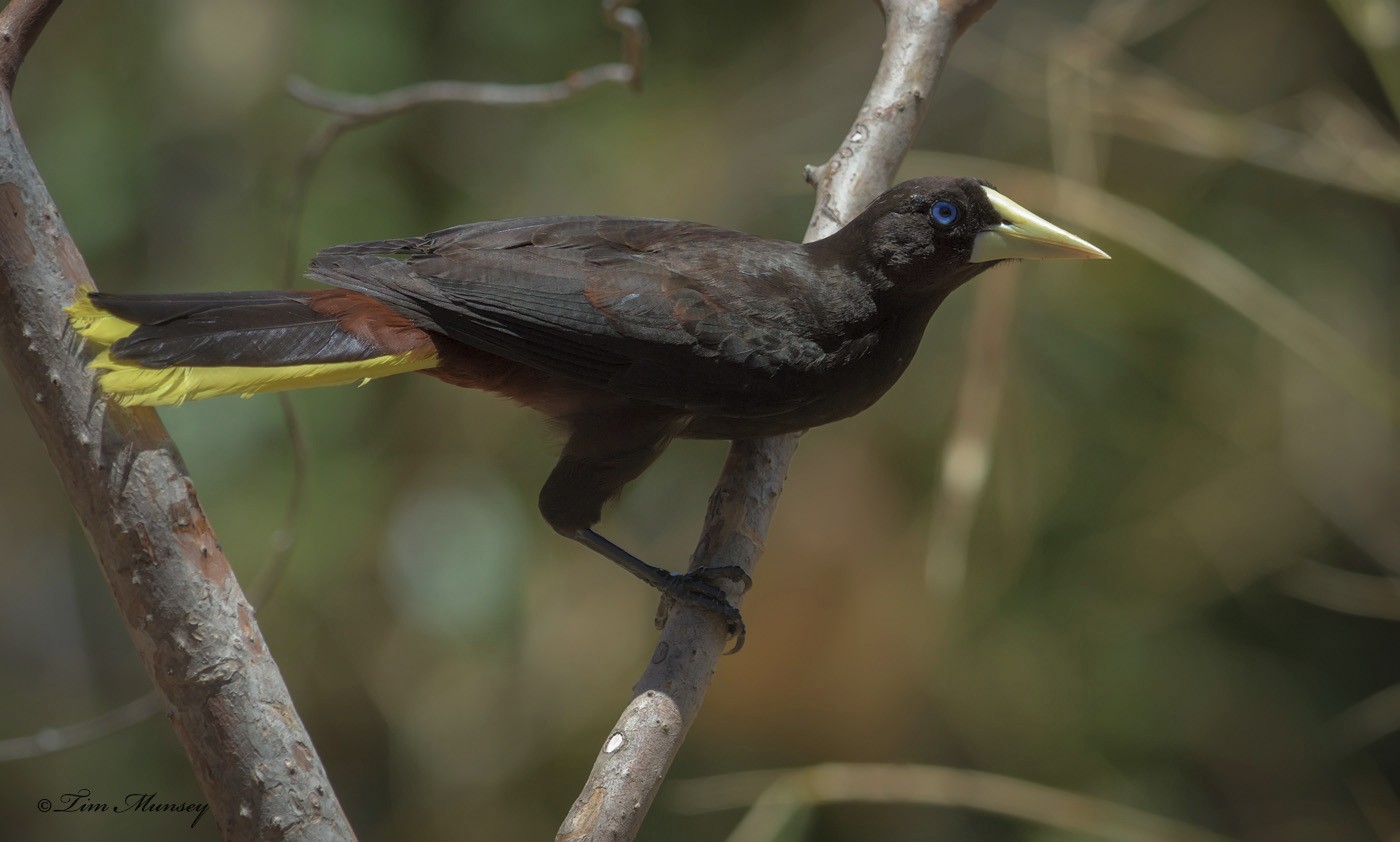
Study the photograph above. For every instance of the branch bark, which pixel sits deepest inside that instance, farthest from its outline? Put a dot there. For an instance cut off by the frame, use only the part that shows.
(641, 746)
(184, 609)
(20, 25)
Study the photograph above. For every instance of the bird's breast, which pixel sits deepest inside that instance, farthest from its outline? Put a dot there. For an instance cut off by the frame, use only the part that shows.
(846, 381)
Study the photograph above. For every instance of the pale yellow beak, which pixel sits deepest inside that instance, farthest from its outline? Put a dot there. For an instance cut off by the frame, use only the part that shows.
(1025, 236)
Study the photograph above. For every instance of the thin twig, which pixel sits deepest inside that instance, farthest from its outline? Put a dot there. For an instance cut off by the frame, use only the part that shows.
(770, 796)
(1138, 101)
(284, 540)
(1373, 24)
(357, 111)
(51, 740)
(967, 455)
(1128, 22)
(1375, 798)
(179, 599)
(371, 108)
(639, 749)
(352, 111)
(1149, 114)
(1373, 718)
(1359, 594)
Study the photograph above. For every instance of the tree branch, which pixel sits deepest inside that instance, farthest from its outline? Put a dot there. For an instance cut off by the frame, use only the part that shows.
(184, 609)
(640, 748)
(366, 109)
(20, 25)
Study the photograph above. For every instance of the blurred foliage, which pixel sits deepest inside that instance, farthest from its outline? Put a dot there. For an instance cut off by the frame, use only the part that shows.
(1153, 606)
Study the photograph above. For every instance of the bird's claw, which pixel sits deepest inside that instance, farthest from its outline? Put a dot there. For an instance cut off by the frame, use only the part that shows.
(701, 589)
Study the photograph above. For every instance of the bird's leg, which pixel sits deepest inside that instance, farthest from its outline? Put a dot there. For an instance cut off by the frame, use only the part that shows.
(608, 447)
(698, 588)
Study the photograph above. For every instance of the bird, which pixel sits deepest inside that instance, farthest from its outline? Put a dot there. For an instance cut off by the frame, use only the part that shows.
(627, 332)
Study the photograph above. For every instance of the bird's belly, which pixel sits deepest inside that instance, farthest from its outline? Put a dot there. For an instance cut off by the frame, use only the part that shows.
(805, 401)
(717, 427)
(822, 408)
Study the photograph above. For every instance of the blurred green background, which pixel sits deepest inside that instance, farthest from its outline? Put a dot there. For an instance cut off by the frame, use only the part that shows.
(1158, 568)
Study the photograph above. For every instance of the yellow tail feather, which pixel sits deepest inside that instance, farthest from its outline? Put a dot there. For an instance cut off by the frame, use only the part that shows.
(96, 326)
(132, 385)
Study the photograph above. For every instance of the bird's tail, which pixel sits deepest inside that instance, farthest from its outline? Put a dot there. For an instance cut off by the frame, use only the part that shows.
(166, 349)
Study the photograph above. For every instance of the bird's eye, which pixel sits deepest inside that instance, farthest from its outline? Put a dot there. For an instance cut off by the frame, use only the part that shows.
(944, 212)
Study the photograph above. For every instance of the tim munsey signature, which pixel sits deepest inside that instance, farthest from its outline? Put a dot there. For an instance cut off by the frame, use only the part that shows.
(81, 801)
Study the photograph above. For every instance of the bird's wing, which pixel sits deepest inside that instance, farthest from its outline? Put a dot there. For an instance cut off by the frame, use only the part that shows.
(672, 312)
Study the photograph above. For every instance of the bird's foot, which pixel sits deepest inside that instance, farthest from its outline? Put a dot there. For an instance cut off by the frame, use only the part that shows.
(702, 589)
(699, 588)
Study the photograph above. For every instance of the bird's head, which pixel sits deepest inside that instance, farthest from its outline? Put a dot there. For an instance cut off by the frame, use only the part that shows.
(931, 235)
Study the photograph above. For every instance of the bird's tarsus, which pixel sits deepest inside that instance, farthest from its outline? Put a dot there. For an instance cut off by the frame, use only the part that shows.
(699, 588)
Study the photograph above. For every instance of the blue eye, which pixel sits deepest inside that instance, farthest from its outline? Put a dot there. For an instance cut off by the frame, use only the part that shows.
(944, 212)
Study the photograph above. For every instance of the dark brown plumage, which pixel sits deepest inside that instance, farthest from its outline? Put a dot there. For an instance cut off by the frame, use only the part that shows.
(628, 332)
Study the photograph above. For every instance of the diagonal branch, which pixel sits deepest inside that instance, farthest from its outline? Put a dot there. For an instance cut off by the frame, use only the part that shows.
(20, 25)
(1358, 594)
(185, 611)
(640, 748)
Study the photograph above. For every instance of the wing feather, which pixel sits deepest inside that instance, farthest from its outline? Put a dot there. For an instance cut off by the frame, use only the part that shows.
(658, 310)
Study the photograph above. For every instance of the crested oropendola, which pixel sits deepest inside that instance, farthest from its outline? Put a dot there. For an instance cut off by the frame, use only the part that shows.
(628, 332)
